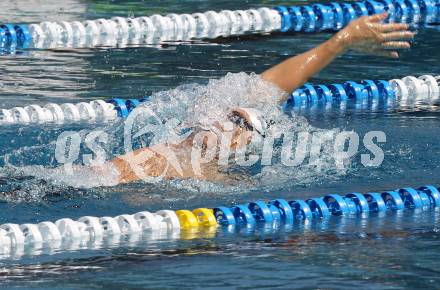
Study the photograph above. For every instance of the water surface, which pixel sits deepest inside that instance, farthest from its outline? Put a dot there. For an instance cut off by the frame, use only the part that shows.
(398, 250)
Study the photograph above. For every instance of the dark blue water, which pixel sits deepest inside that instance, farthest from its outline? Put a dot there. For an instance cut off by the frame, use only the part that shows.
(398, 250)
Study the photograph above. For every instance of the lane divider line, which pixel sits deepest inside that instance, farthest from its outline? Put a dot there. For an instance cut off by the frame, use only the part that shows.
(120, 31)
(404, 91)
(251, 214)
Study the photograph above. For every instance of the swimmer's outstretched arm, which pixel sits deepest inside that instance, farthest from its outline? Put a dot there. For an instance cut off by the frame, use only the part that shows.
(173, 161)
(366, 34)
(149, 162)
(167, 161)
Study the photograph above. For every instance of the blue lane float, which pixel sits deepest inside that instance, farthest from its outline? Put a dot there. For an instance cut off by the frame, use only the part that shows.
(318, 207)
(351, 204)
(406, 91)
(306, 18)
(363, 90)
(123, 107)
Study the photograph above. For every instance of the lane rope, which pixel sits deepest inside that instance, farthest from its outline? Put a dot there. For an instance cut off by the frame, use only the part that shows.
(404, 91)
(120, 31)
(279, 211)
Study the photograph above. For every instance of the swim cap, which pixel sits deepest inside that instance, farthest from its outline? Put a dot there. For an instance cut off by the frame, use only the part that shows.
(253, 117)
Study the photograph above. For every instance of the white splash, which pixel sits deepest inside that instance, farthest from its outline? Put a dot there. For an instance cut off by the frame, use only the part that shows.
(197, 105)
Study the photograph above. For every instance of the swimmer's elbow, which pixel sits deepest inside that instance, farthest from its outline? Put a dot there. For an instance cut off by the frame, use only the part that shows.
(268, 76)
(281, 80)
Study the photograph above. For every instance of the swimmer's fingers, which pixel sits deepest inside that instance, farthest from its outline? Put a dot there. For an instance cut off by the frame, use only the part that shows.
(397, 35)
(396, 45)
(378, 17)
(386, 53)
(390, 27)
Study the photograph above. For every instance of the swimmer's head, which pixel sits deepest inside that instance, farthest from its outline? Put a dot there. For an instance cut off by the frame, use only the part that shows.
(245, 123)
(249, 119)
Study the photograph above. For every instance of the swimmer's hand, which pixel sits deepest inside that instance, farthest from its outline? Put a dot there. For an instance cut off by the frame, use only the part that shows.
(367, 34)
(370, 35)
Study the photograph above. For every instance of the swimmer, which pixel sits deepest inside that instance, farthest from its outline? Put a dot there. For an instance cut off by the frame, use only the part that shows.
(367, 34)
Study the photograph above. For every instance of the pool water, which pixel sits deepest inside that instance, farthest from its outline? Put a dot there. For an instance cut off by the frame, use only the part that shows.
(392, 251)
